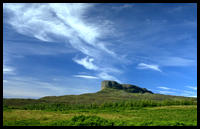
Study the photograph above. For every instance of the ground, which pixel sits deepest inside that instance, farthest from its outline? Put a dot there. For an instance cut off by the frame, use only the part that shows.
(182, 115)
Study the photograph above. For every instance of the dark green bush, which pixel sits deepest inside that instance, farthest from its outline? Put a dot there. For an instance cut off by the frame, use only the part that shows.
(90, 121)
(29, 122)
(128, 104)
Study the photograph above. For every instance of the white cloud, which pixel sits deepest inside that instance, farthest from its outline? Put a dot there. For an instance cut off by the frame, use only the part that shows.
(179, 92)
(124, 6)
(87, 63)
(106, 76)
(192, 87)
(86, 76)
(164, 88)
(176, 61)
(195, 96)
(167, 88)
(4, 81)
(28, 87)
(111, 70)
(166, 92)
(64, 20)
(8, 70)
(12, 49)
(66, 23)
(147, 66)
(188, 93)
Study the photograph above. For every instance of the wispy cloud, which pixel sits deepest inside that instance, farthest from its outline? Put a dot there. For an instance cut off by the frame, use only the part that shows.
(86, 76)
(66, 23)
(166, 92)
(26, 48)
(87, 63)
(63, 20)
(4, 81)
(164, 88)
(180, 8)
(8, 70)
(179, 92)
(121, 7)
(192, 87)
(189, 93)
(176, 61)
(148, 66)
(106, 76)
(28, 87)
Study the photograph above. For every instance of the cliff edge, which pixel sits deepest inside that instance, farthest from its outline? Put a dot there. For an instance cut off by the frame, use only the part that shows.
(126, 87)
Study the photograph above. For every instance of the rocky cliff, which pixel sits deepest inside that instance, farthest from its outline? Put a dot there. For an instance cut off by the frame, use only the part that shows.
(127, 87)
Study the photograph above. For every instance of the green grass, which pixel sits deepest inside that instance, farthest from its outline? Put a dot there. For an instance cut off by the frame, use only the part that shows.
(105, 98)
(126, 104)
(148, 116)
(110, 95)
(108, 107)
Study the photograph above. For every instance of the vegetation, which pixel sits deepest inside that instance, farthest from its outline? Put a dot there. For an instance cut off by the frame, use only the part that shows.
(106, 95)
(147, 116)
(108, 107)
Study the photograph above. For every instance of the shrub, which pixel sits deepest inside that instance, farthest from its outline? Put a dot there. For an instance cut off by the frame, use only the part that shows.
(90, 121)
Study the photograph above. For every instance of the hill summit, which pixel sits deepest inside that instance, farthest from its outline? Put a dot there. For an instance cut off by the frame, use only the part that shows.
(126, 87)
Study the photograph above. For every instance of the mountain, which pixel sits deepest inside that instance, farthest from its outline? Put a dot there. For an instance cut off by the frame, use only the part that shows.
(111, 91)
(126, 87)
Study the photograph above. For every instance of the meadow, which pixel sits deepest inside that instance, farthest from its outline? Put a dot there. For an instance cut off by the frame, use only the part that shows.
(109, 114)
(108, 107)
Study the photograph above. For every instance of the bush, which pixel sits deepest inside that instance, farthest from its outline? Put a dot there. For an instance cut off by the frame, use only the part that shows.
(29, 122)
(127, 104)
(90, 121)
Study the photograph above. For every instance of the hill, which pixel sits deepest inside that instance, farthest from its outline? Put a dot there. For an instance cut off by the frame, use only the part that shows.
(114, 105)
(126, 87)
(111, 91)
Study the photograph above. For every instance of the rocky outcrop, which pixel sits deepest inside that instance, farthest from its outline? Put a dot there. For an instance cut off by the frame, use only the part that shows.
(127, 87)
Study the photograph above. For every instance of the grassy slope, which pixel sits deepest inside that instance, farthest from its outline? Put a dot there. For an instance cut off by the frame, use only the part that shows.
(145, 116)
(106, 95)
(156, 116)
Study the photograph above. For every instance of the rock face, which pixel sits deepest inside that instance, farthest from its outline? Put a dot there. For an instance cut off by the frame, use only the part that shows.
(110, 84)
(127, 87)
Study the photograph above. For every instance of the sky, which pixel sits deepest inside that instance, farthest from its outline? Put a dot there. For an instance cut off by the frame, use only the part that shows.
(53, 49)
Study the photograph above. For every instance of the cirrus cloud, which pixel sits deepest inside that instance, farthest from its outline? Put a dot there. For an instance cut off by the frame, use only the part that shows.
(148, 66)
(86, 76)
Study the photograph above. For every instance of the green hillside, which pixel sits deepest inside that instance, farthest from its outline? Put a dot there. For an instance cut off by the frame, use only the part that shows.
(110, 95)
(114, 105)
(106, 95)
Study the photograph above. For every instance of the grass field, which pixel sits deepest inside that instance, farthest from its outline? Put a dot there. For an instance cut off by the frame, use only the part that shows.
(182, 115)
(108, 107)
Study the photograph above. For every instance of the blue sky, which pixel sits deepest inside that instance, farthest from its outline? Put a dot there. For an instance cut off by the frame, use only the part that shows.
(60, 49)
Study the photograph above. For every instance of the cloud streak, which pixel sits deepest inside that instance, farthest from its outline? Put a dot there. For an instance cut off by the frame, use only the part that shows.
(86, 76)
(192, 87)
(180, 92)
(8, 70)
(28, 87)
(64, 22)
(87, 63)
(148, 66)
(176, 61)
(121, 7)
(106, 76)
(166, 92)
(164, 88)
